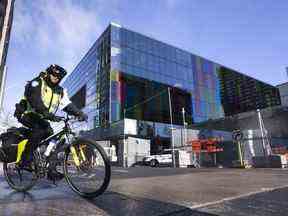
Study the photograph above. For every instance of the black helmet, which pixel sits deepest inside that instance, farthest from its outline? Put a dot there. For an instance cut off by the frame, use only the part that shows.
(57, 71)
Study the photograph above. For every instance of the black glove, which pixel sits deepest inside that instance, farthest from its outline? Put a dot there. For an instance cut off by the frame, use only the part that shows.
(52, 117)
(56, 118)
(20, 109)
(82, 117)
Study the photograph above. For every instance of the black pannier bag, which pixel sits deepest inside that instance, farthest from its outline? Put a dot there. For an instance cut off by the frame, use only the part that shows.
(10, 141)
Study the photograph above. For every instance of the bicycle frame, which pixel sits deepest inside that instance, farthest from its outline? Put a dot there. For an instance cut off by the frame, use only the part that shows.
(66, 130)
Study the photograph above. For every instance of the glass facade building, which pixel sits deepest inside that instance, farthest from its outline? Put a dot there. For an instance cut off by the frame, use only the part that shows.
(283, 89)
(128, 70)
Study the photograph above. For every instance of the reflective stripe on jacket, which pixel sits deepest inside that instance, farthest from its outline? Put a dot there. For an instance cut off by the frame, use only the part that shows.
(51, 97)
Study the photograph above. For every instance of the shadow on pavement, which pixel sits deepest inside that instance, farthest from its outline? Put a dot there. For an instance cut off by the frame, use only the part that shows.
(62, 201)
(17, 197)
(110, 203)
(119, 204)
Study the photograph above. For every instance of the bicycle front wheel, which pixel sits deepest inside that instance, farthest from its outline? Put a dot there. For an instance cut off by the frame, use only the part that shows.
(87, 168)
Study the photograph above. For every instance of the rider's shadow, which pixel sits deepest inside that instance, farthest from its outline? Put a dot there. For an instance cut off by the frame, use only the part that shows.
(15, 197)
(114, 203)
(44, 184)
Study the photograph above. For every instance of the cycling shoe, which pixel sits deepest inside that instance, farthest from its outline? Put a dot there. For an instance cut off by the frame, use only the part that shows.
(54, 175)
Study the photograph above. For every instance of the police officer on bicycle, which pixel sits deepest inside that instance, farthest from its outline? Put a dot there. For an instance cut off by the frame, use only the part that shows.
(42, 98)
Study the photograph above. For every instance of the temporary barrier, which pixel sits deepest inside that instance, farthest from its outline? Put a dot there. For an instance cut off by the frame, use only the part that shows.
(206, 146)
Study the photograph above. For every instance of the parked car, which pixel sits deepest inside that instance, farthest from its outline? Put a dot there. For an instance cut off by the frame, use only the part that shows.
(165, 158)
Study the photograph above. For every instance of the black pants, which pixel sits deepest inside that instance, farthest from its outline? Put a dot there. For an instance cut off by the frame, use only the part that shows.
(41, 128)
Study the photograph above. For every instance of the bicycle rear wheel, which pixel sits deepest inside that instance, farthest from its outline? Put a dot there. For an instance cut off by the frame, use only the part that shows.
(20, 178)
(87, 168)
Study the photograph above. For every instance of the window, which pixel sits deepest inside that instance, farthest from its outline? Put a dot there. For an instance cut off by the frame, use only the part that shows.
(79, 98)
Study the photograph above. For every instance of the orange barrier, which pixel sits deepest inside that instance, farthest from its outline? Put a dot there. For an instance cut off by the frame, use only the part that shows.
(279, 150)
(205, 145)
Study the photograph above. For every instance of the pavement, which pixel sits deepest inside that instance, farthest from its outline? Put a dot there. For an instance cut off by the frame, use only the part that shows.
(160, 191)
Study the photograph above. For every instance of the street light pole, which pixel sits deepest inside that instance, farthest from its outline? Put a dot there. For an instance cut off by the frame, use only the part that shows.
(184, 125)
(124, 140)
(265, 145)
(183, 115)
(171, 125)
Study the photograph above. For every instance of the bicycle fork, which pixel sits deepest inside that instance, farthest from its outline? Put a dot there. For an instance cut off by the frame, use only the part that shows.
(75, 155)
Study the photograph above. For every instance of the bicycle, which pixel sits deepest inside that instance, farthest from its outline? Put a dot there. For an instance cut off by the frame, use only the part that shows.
(78, 156)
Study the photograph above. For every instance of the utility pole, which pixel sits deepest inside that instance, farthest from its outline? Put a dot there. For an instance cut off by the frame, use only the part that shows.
(261, 130)
(184, 125)
(171, 125)
(2, 86)
(124, 140)
(265, 145)
(183, 115)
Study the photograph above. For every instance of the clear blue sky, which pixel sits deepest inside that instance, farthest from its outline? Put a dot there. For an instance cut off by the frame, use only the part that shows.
(250, 36)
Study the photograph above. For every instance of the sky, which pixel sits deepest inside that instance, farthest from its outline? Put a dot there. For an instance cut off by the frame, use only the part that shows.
(250, 36)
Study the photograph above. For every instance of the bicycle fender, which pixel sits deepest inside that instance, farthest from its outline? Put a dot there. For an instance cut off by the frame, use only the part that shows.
(20, 149)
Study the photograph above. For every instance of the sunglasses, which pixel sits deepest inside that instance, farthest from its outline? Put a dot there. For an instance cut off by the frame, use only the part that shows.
(56, 74)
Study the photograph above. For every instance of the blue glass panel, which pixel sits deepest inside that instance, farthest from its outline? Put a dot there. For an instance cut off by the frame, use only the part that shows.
(203, 107)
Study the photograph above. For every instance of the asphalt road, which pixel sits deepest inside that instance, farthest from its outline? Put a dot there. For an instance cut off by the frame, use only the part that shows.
(161, 191)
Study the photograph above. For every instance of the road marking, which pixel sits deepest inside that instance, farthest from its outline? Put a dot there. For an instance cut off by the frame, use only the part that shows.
(121, 171)
(236, 197)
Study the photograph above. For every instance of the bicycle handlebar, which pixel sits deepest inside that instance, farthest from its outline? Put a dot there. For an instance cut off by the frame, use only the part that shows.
(68, 118)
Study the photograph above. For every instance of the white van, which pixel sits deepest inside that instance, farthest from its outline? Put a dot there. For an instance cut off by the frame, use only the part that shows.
(165, 158)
